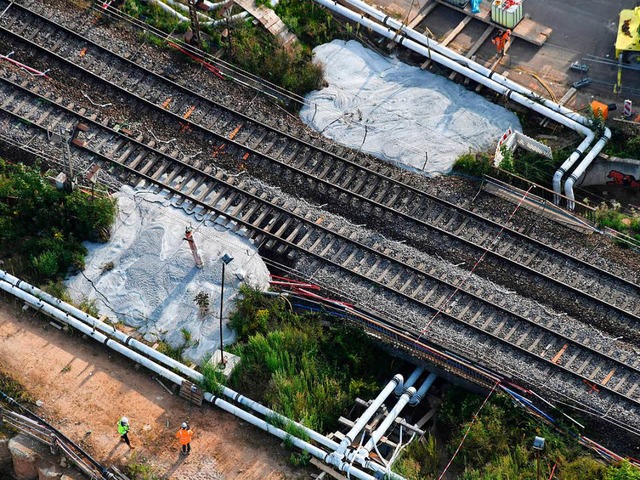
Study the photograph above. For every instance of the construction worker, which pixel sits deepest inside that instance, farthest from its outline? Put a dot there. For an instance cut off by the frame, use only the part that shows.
(184, 435)
(123, 430)
(500, 40)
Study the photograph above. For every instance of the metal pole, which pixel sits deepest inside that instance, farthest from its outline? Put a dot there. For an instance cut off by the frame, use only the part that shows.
(222, 361)
(426, 159)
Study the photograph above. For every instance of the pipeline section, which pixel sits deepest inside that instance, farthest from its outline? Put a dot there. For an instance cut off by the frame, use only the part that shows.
(93, 328)
(433, 50)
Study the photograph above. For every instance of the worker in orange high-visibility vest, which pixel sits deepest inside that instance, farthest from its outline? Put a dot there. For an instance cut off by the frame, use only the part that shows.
(184, 435)
(501, 40)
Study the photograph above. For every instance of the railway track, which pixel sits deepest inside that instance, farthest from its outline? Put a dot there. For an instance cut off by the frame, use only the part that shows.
(269, 219)
(264, 148)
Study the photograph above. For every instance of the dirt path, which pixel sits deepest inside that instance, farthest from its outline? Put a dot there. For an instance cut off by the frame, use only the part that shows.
(85, 388)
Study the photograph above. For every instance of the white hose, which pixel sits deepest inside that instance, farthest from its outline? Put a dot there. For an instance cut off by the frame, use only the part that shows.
(18, 288)
(170, 10)
(478, 73)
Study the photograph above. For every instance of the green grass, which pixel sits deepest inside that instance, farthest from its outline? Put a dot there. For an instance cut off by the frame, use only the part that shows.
(306, 372)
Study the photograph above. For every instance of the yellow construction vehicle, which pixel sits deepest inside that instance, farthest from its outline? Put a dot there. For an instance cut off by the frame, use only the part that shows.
(628, 42)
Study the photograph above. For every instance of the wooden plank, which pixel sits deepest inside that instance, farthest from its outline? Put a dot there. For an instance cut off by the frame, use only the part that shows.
(531, 31)
(454, 33)
(608, 377)
(422, 13)
(325, 468)
(191, 392)
(448, 39)
(427, 416)
(527, 29)
(269, 19)
(475, 47)
(559, 354)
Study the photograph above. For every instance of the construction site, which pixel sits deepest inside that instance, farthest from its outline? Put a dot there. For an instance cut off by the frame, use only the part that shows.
(346, 204)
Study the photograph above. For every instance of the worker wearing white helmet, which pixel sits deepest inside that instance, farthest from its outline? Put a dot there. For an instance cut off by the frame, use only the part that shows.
(123, 430)
(184, 435)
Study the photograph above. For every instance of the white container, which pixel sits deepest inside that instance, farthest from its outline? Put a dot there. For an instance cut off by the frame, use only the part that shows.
(504, 16)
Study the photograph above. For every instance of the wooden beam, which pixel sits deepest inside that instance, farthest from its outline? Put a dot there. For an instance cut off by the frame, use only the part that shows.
(451, 35)
(475, 47)
(420, 423)
(422, 13)
(325, 468)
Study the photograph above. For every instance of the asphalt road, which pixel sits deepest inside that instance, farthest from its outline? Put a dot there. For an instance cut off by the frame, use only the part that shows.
(580, 28)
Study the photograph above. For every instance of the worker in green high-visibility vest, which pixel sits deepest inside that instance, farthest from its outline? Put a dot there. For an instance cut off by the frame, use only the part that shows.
(123, 430)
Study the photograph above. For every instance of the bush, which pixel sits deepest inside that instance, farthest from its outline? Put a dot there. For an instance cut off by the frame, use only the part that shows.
(258, 52)
(45, 226)
(476, 165)
(303, 371)
(213, 378)
(583, 468)
(624, 471)
(419, 460)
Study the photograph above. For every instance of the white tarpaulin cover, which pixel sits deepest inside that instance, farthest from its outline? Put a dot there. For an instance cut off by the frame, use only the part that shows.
(407, 112)
(154, 280)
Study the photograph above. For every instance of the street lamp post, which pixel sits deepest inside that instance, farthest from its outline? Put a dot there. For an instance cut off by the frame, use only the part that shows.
(226, 259)
(538, 446)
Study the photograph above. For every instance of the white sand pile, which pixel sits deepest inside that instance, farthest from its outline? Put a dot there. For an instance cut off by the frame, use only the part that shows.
(154, 279)
(406, 111)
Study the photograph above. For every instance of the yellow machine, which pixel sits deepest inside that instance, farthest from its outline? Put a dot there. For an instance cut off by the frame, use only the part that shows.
(628, 41)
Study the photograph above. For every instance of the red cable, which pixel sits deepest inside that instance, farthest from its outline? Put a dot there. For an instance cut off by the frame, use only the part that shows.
(475, 417)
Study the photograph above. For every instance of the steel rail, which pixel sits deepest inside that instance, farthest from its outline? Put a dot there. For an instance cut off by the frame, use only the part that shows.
(586, 295)
(548, 248)
(361, 246)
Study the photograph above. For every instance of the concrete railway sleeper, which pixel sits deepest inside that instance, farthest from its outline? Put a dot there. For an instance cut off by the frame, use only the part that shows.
(388, 274)
(307, 159)
(586, 295)
(430, 288)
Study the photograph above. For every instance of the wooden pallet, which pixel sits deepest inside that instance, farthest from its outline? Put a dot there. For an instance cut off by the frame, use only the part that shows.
(527, 29)
(191, 392)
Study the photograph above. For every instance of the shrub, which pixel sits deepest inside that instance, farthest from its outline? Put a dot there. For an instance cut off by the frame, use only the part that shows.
(49, 224)
(169, 351)
(305, 372)
(583, 468)
(624, 471)
(419, 460)
(46, 265)
(301, 459)
(213, 378)
(473, 164)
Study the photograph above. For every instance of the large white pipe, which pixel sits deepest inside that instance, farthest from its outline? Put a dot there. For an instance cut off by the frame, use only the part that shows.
(67, 310)
(313, 450)
(267, 412)
(213, 6)
(232, 18)
(388, 421)
(96, 324)
(424, 388)
(185, 8)
(582, 168)
(474, 71)
(472, 65)
(368, 413)
(567, 164)
(409, 381)
(52, 311)
(170, 10)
